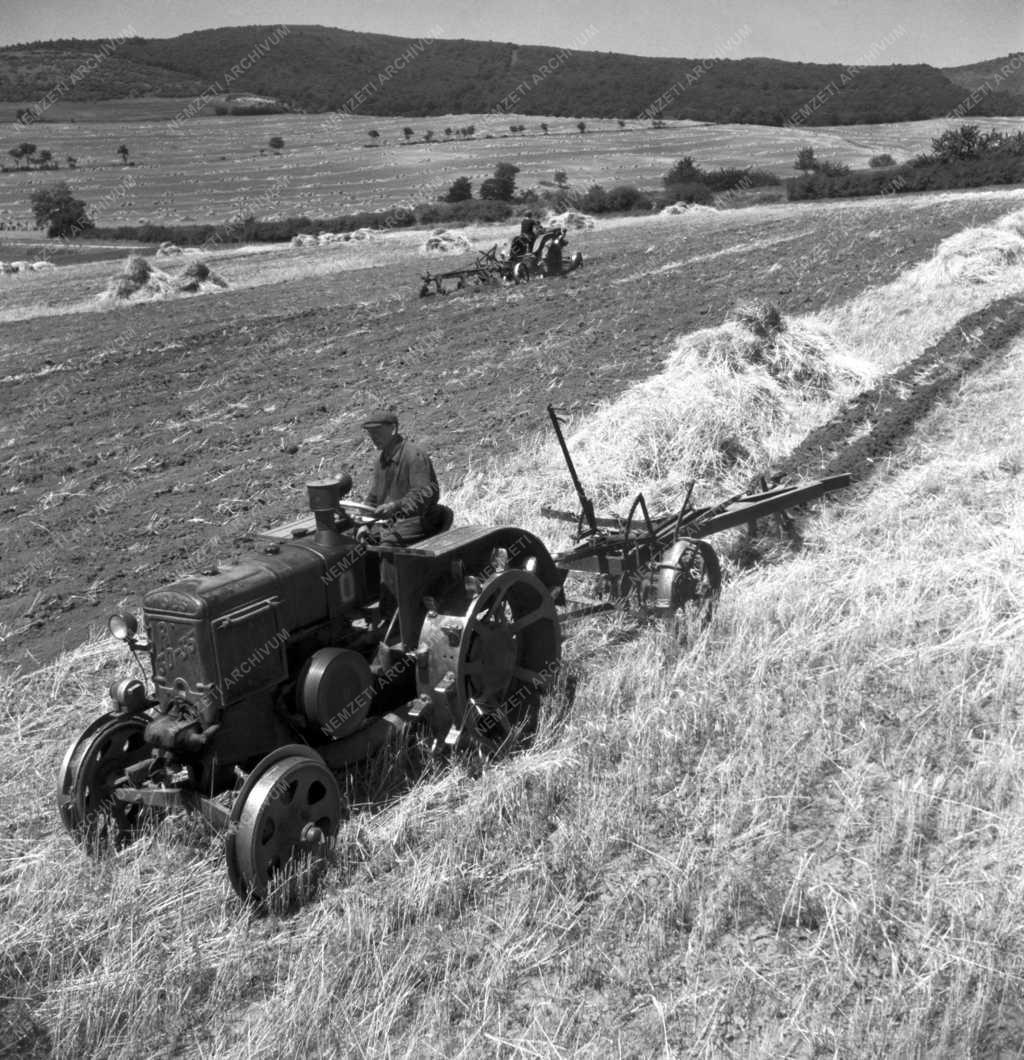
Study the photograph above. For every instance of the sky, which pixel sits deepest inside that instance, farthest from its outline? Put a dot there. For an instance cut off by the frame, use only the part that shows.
(861, 32)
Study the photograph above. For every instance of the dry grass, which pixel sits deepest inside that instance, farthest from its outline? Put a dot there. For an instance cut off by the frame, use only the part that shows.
(799, 838)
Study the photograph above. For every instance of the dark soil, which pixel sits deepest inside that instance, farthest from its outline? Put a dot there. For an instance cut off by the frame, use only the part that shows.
(140, 444)
(872, 424)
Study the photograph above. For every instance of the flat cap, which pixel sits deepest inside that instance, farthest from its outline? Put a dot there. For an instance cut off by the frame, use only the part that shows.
(380, 418)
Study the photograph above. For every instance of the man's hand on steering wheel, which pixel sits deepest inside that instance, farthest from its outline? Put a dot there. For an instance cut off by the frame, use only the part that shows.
(388, 510)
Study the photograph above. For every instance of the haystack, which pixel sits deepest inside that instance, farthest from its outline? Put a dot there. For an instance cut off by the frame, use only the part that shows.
(304, 240)
(7, 267)
(364, 233)
(197, 278)
(141, 281)
(801, 356)
(569, 219)
(692, 210)
(441, 241)
(168, 250)
(43, 266)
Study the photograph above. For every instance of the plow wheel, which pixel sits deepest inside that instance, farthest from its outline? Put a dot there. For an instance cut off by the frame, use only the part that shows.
(689, 581)
(509, 653)
(521, 272)
(91, 771)
(282, 825)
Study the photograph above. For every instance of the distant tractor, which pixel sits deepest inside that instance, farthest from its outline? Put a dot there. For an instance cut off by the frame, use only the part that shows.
(543, 255)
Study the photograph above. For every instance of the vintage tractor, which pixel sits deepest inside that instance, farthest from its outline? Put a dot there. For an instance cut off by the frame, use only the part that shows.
(543, 256)
(270, 677)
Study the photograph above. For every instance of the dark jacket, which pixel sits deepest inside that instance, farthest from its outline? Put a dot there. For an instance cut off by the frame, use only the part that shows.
(404, 473)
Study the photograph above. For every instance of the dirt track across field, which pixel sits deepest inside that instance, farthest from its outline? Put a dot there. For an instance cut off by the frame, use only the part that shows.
(141, 444)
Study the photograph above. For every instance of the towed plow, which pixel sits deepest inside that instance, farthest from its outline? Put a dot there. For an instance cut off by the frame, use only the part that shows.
(525, 260)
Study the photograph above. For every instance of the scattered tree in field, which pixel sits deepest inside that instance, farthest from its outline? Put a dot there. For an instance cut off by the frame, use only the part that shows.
(276, 144)
(55, 208)
(881, 161)
(460, 191)
(428, 135)
(684, 171)
(582, 126)
(23, 150)
(805, 160)
(44, 160)
(622, 123)
(71, 161)
(561, 179)
(502, 186)
(448, 131)
(544, 127)
(471, 130)
(407, 133)
(123, 152)
(374, 135)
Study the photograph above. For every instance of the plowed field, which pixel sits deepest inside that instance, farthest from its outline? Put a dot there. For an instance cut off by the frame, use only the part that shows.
(139, 444)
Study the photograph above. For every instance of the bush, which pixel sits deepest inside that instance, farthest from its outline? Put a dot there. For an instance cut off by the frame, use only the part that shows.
(923, 174)
(595, 200)
(881, 161)
(683, 172)
(460, 190)
(696, 191)
(732, 178)
(502, 186)
(624, 197)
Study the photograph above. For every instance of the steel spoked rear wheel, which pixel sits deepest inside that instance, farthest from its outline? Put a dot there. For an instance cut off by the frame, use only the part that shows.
(283, 826)
(508, 658)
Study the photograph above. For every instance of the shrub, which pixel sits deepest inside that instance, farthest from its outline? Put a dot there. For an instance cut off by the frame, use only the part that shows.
(502, 186)
(881, 161)
(595, 200)
(460, 190)
(624, 197)
(732, 178)
(683, 172)
(695, 191)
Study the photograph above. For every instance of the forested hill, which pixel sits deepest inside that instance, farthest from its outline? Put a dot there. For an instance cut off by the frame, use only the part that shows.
(317, 68)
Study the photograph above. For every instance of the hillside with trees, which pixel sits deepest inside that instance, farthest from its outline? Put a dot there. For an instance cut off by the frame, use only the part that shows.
(29, 73)
(1005, 75)
(317, 68)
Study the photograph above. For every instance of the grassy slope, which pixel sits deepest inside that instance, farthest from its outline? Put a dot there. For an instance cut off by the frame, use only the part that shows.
(800, 836)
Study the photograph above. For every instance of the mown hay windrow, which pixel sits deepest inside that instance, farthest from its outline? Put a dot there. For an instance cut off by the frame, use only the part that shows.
(977, 255)
(694, 422)
(801, 356)
(728, 404)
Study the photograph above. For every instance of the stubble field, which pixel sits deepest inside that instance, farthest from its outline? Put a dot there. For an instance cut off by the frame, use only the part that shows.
(213, 170)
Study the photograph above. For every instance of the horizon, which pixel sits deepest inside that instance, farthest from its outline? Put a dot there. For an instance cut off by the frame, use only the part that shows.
(863, 33)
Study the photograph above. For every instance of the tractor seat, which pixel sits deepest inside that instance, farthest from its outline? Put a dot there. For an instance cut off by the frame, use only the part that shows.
(437, 518)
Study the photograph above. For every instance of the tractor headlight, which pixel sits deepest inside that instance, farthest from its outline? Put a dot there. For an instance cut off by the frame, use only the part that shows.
(129, 695)
(123, 627)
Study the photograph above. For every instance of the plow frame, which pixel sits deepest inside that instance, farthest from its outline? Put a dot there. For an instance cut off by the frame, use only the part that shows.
(631, 554)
